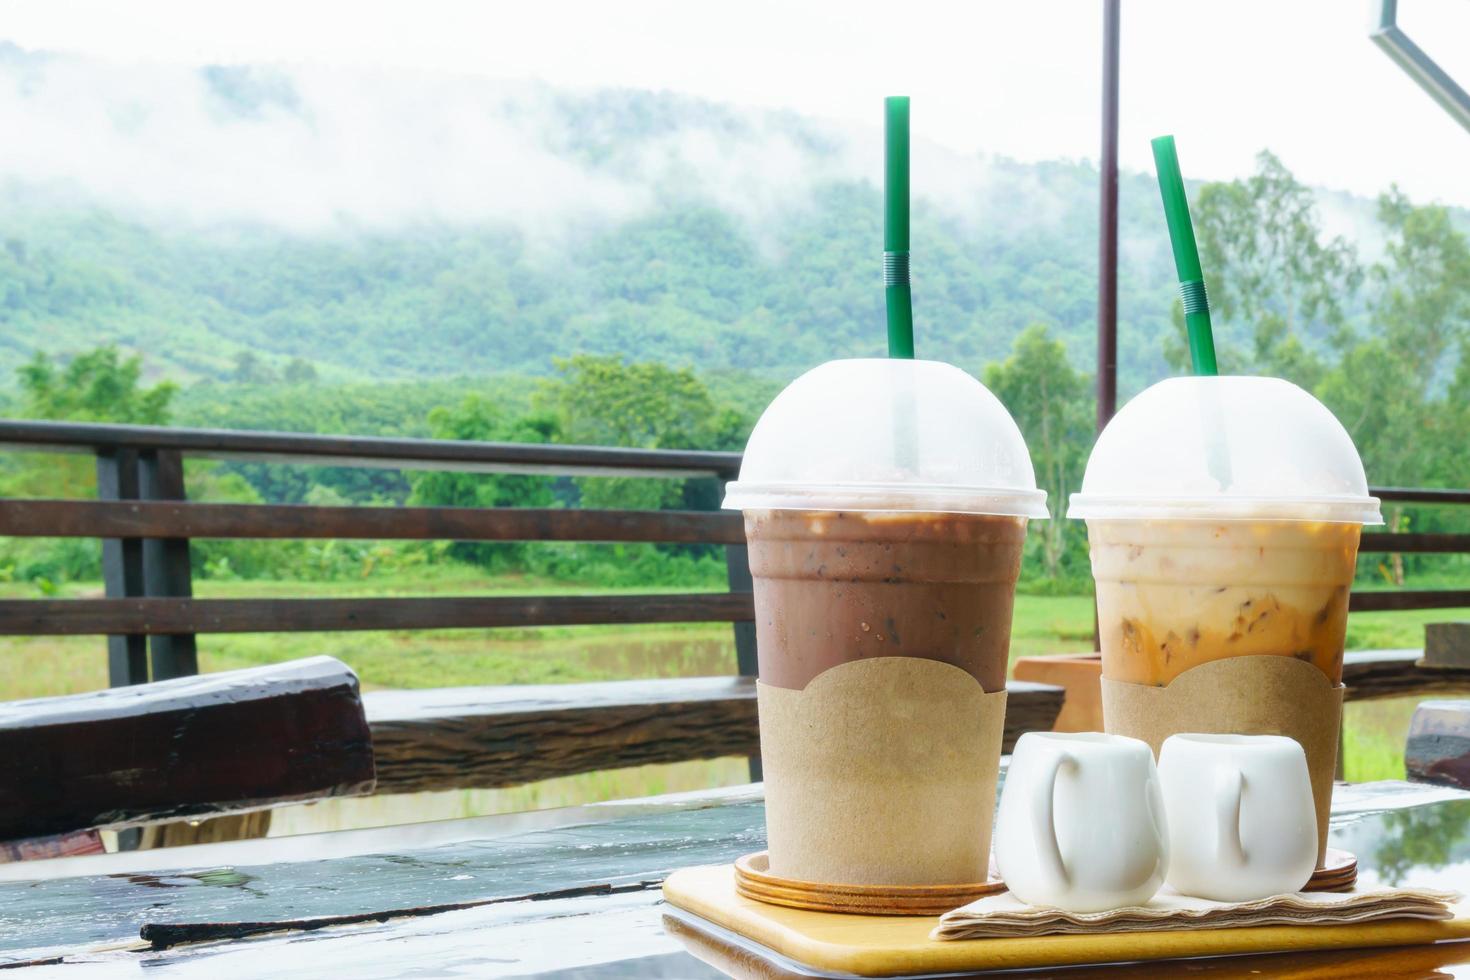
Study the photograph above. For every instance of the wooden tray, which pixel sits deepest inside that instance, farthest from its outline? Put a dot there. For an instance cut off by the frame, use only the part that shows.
(753, 879)
(892, 946)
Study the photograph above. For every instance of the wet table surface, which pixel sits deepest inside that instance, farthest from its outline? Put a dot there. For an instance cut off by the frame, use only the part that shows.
(80, 917)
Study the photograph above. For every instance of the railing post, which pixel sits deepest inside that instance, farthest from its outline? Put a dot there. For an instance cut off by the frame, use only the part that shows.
(166, 562)
(122, 567)
(737, 574)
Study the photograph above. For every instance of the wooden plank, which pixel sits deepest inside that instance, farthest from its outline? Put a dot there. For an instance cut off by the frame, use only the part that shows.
(1421, 495)
(1368, 674)
(368, 451)
(1030, 707)
(333, 450)
(1379, 542)
(176, 749)
(737, 576)
(486, 737)
(165, 519)
(1446, 645)
(122, 567)
(166, 569)
(1409, 599)
(1080, 676)
(1438, 747)
(72, 844)
(80, 617)
(1373, 674)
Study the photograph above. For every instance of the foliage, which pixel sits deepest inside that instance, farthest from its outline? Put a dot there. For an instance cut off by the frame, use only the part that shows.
(98, 386)
(1278, 291)
(278, 334)
(1397, 379)
(687, 281)
(1054, 405)
(606, 401)
(475, 419)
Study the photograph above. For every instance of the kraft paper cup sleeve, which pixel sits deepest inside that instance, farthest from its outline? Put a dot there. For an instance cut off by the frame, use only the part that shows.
(881, 771)
(1257, 695)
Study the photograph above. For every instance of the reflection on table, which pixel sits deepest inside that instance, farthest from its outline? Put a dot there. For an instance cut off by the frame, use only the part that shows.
(81, 916)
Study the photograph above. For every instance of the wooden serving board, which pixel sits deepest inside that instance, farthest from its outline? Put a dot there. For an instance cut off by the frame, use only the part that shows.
(889, 946)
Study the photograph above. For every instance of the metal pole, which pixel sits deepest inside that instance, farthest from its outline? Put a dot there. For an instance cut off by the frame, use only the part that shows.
(1107, 244)
(1423, 69)
(1107, 240)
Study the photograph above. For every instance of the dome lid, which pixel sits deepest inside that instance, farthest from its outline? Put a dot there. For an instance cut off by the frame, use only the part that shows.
(882, 434)
(1225, 447)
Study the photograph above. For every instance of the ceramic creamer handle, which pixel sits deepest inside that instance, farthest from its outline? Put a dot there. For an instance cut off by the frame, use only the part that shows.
(1229, 787)
(1048, 849)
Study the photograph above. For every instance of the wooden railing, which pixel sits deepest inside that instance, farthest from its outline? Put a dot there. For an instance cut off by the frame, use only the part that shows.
(1414, 543)
(466, 737)
(146, 523)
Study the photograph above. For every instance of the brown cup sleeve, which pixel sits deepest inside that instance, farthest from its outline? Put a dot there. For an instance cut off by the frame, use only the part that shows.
(1257, 695)
(881, 772)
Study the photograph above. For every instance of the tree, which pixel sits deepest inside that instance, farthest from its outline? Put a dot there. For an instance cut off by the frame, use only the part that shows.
(1275, 287)
(1393, 392)
(1051, 402)
(250, 369)
(606, 401)
(299, 371)
(1423, 304)
(1396, 392)
(98, 386)
(478, 420)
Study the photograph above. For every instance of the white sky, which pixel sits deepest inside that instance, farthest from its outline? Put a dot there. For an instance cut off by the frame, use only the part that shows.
(1020, 78)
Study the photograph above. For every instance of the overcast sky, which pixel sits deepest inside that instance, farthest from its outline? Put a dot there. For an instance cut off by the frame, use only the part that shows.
(1020, 79)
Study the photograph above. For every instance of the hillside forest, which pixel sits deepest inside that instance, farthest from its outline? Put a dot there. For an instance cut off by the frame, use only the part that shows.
(674, 332)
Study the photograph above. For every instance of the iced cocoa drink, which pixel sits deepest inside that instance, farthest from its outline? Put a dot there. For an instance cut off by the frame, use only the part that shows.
(832, 587)
(1172, 595)
(885, 507)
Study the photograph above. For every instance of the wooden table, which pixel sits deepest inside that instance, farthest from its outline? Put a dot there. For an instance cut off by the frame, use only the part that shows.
(80, 917)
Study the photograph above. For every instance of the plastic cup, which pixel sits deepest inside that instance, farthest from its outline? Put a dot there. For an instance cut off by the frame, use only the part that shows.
(836, 586)
(1223, 516)
(885, 508)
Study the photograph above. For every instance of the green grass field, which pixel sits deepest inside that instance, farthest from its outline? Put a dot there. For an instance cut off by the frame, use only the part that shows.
(34, 667)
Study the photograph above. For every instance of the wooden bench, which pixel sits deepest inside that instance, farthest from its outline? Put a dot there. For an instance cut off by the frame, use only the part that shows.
(180, 749)
(488, 737)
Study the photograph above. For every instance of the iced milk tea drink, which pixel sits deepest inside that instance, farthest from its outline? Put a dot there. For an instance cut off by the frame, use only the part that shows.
(1174, 594)
(1223, 517)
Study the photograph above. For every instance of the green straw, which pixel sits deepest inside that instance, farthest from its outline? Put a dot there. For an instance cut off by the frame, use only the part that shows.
(1186, 257)
(896, 293)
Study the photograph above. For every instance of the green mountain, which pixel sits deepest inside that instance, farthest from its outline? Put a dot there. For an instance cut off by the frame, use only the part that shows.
(640, 223)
